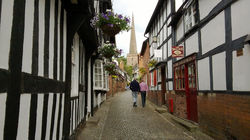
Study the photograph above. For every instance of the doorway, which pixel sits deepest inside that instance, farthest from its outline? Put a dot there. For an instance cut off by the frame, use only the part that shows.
(185, 81)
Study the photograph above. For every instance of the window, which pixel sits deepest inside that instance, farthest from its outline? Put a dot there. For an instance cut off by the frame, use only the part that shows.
(98, 74)
(179, 77)
(191, 17)
(191, 76)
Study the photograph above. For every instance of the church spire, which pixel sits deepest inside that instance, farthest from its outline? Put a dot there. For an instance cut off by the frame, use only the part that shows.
(133, 47)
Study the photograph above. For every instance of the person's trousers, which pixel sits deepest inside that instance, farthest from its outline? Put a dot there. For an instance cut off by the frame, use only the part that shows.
(134, 95)
(143, 98)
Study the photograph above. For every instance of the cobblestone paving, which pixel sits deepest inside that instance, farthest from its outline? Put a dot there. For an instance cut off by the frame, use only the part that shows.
(119, 120)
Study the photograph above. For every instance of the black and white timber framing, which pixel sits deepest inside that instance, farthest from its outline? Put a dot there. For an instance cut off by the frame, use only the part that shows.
(38, 98)
(219, 15)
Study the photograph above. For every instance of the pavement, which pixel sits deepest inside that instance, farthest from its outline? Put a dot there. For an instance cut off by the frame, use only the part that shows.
(117, 119)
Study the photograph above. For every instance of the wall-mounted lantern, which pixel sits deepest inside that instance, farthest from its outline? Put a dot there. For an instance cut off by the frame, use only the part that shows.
(155, 39)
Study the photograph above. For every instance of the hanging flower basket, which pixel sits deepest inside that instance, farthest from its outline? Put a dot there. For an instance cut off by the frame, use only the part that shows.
(110, 30)
(109, 50)
(110, 67)
(110, 23)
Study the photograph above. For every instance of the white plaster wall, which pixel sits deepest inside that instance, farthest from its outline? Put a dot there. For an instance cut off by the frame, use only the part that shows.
(75, 69)
(39, 116)
(65, 44)
(3, 97)
(203, 74)
(56, 116)
(89, 86)
(192, 44)
(41, 37)
(24, 115)
(51, 38)
(61, 123)
(168, 8)
(170, 69)
(165, 51)
(206, 6)
(169, 47)
(5, 32)
(50, 103)
(219, 71)
(28, 36)
(169, 30)
(213, 34)
(241, 68)
(170, 84)
(240, 18)
(58, 39)
(180, 30)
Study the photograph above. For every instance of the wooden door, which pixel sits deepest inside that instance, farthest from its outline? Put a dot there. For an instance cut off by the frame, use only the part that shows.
(191, 91)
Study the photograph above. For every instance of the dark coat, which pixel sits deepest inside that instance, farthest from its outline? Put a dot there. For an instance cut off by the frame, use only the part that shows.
(134, 86)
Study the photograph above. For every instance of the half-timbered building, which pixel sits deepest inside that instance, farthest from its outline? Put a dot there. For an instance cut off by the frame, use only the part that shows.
(209, 82)
(47, 52)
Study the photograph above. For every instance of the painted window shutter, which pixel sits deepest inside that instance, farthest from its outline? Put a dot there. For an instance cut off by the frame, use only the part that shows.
(155, 78)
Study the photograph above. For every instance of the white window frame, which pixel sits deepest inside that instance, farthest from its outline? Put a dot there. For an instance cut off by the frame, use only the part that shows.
(98, 86)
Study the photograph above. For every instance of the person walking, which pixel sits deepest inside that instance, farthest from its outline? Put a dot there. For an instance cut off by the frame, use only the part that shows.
(143, 89)
(135, 88)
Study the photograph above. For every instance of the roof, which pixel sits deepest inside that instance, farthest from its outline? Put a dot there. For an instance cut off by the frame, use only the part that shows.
(144, 46)
(154, 15)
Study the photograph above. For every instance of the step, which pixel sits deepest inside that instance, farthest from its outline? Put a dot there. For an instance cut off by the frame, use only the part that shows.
(93, 120)
(192, 127)
(160, 110)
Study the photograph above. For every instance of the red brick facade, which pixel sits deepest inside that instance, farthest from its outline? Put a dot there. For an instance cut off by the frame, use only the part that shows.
(116, 85)
(179, 104)
(225, 116)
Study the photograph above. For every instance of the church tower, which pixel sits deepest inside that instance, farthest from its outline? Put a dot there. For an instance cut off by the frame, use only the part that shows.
(132, 57)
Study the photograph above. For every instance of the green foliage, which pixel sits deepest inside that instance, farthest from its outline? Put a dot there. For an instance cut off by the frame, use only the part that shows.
(152, 63)
(109, 50)
(142, 71)
(110, 67)
(129, 70)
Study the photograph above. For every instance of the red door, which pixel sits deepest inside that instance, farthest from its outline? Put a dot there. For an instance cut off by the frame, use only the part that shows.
(191, 91)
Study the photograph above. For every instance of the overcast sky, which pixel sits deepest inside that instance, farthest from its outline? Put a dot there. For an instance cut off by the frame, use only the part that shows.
(143, 10)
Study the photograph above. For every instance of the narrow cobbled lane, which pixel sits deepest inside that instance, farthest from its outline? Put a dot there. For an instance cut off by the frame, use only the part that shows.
(120, 120)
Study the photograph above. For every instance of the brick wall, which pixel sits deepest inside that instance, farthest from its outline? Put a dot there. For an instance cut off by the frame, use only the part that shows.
(224, 116)
(156, 97)
(116, 85)
(179, 104)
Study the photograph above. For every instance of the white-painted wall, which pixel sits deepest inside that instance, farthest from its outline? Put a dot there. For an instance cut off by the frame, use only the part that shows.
(241, 68)
(24, 115)
(56, 116)
(50, 103)
(192, 44)
(205, 6)
(240, 18)
(5, 32)
(41, 37)
(65, 44)
(3, 97)
(170, 85)
(61, 123)
(170, 69)
(51, 38)
(213, 34)
(180, 30)
(219, 71)
(39, 116)
(75, 67)
(169, 47)
(204, 74)
(28, 36)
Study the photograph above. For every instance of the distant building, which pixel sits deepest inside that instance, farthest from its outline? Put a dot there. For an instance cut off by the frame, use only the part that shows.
(132, 57)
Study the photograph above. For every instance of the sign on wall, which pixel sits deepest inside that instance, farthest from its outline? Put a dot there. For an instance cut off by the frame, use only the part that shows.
(177, 51)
